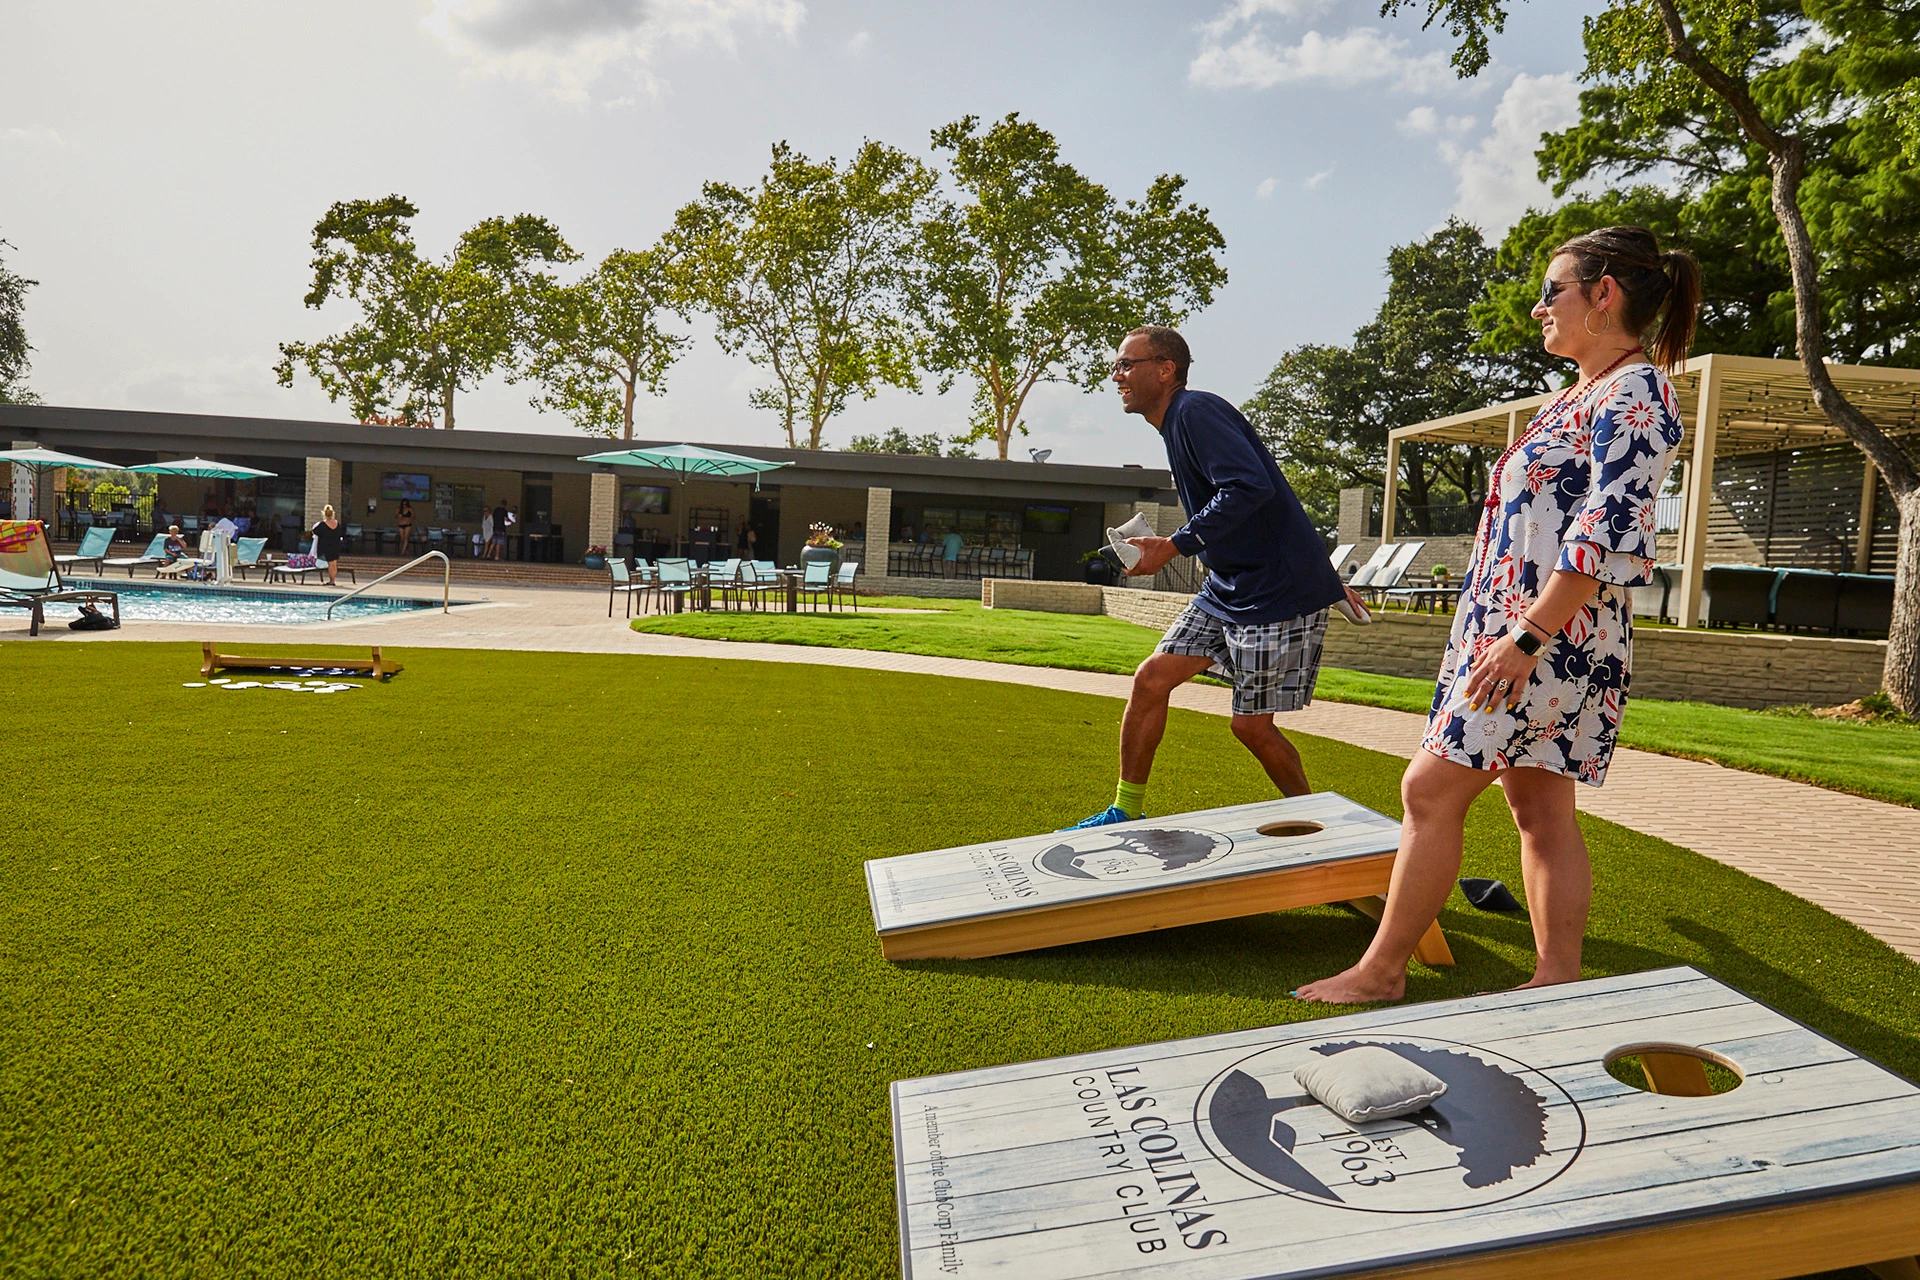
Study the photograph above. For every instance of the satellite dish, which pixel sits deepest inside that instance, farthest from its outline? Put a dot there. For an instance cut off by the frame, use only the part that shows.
(1040, 455)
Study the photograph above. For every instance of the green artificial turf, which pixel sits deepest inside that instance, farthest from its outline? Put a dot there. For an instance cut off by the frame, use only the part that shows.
(556, 964)
(1879, 760)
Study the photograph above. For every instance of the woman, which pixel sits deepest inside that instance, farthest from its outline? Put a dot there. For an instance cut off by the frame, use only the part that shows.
(329, 540)
(1537, 667)
(403, 518)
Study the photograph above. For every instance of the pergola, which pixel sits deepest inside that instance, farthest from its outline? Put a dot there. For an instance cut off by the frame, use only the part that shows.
(1730, 405)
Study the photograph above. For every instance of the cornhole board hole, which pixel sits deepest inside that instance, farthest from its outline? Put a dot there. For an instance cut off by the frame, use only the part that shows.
(212, 660)
(1073, 886)
(1203, 1160)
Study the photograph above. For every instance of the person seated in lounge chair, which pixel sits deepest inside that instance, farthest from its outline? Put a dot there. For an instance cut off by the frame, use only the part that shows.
(176, 545)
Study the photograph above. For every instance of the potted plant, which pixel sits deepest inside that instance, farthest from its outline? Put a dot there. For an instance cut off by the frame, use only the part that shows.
(1440, 573)
(596, 558)
(1100, 570)
(821, 545)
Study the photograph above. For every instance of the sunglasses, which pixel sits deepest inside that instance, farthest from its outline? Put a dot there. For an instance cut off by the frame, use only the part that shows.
(1550, 289)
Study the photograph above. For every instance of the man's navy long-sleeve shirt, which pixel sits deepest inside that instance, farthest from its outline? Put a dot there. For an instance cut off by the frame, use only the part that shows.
(1265, 562)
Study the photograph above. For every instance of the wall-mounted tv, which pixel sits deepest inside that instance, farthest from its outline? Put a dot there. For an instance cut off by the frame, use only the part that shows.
(1047, 519)
(395, 485)
(643, 499)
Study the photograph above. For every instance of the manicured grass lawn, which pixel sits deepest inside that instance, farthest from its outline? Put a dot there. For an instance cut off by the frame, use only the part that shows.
(1879, 760)
(553, 964)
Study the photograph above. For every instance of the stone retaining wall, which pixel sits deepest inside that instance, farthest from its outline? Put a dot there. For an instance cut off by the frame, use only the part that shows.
(1156, 609)
(1047, 597)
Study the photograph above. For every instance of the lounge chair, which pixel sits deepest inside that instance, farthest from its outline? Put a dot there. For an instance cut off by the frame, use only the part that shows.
(248, 557)
(1740, 595)
(280, 572)
(1339, 557)
(156, 553)
(1375, 563)
(1389, 578)
(29, 578)
(93, 546)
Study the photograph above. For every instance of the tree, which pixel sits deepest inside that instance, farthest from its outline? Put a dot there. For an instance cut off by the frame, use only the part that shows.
(428, 329)
(1036, 273)
(898, 441)
(16, 354)
(593, 345)
(1326, 410)
(1823, 94)
(806, 274)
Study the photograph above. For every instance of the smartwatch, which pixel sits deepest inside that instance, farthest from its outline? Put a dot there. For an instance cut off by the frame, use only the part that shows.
(1524, 640)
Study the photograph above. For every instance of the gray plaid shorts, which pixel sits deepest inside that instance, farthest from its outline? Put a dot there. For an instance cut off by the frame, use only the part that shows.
(1273, 665)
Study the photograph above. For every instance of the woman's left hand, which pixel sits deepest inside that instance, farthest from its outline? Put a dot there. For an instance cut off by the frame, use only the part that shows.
(1499, 676)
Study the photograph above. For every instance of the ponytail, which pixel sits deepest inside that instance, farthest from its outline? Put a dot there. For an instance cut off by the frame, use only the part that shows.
(1671, 341)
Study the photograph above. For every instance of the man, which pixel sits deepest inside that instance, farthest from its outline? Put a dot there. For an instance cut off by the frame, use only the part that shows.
(497, 542)
(1260, 618)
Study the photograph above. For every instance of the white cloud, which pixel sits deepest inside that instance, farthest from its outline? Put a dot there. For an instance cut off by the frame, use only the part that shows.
(1241, 12)
(858, 44)
(217, 384)
(1363, 55)
(1265, 189)
(1423, 122)
(565, 47)
(1499, 176)
(1317, 181)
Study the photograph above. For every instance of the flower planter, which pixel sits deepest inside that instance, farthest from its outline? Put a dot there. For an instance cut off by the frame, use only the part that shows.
(830, 554)
(594, 562)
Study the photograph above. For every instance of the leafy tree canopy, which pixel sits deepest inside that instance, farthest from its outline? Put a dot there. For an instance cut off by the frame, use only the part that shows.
(896, 440)
(1036, 271)
(594, 345)
(16, 354)
(428, 329)
(805, 274)
(1326, 410)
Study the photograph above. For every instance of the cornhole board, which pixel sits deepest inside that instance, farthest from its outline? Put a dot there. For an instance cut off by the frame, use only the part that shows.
(1203, 1160)
(212, 660)
(1073, 886)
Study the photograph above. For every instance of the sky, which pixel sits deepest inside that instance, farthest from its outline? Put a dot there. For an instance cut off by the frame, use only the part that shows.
(162, 166)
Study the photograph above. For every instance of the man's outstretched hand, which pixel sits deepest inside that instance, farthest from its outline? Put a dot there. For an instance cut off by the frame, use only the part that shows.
(1155, 555)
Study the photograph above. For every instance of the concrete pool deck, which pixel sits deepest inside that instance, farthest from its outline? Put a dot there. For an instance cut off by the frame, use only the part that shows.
(1856, 857)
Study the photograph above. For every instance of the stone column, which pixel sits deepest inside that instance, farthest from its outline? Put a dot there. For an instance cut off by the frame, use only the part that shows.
(1356, 504)
(323, 487)
(23, 494)
(603, 507)
(879, 533)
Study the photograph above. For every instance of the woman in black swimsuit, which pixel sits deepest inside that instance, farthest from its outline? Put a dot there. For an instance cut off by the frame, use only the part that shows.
(404, 518)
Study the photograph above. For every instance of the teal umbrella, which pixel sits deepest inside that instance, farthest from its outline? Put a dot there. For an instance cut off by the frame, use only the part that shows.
(689, 460)
(39, 460)
(203, 469)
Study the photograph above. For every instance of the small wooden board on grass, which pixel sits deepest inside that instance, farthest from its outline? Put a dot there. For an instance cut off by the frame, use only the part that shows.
(1202, 1159)
(1132, 877)
(212, 660)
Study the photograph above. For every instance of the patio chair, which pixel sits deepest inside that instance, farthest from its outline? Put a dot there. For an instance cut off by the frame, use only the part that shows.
(1742, 595)
(247, 556)
(1022, 562)
(93, 546)
(996, 566)
(1371, 569)
(156, 553)
(843, 584)
(818, 582)
(30, 579)
(675, 582)
(1806, 598)
(1339, 556)
(1389, 578)
(1866, 603)
(761, 578)
(723, 576)
(620, 582)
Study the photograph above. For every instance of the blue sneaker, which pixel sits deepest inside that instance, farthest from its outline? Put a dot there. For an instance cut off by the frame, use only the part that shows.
(1114, 813)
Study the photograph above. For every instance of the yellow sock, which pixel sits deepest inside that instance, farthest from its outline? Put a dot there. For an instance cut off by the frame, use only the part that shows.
(1130, 798)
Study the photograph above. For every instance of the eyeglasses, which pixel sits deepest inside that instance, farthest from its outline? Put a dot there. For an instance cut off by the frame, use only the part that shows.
(1550, 289)
(1125, 365)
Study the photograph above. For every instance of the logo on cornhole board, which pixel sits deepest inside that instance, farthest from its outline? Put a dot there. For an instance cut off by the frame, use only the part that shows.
(1134, 854)
(1502, 1129)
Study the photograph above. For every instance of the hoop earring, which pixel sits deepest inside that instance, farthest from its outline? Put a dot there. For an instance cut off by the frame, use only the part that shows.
(1606, 328)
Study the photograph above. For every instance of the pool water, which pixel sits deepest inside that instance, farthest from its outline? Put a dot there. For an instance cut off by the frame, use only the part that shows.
(154, 602)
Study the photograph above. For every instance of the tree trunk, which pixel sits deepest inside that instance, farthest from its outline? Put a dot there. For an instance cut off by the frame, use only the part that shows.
(1902, 674)
(626, 409)
(446, 409)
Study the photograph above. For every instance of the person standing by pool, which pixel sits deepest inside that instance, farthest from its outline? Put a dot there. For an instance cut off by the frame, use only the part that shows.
(404, 519)
(497, 541)
(329, 541)
(1536, 671)
(1261, 616)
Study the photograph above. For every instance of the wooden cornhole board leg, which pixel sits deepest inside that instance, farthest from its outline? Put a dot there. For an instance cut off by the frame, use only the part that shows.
(1432, 948)
(1896, 1269)
(211, 660)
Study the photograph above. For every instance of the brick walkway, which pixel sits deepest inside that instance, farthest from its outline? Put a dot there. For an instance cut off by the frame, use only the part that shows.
(1857, 858)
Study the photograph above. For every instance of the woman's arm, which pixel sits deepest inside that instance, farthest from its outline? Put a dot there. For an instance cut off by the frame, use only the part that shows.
(1566, 594)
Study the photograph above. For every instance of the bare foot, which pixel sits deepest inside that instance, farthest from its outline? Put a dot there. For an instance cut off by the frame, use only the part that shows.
(1355, 986)
(1539, 980)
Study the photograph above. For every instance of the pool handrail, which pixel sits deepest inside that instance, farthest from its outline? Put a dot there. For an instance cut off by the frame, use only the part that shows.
(446, 587)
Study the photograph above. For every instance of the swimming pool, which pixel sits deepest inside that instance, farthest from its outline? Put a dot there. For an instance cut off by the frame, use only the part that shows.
(158, 602)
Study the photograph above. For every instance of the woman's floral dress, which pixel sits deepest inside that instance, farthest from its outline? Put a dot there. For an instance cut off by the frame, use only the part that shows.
(1574, 492)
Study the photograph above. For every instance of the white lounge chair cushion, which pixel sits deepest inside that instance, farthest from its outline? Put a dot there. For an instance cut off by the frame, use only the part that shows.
(1369, 1082)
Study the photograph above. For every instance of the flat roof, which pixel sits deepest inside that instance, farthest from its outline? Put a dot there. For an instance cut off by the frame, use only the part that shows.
(1764, 405)
(187, 434)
